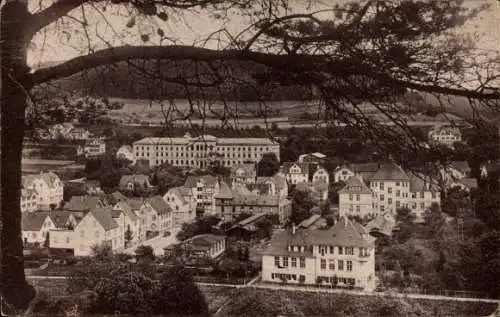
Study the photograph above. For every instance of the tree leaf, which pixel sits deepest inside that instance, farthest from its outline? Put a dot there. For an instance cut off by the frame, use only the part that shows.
(160, 32)
(145, 37)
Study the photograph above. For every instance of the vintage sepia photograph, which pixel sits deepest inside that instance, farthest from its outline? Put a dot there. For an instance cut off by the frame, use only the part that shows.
(250, 158)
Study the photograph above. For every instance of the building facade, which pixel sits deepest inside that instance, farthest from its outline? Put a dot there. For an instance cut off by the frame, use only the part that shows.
(343, 255)
(29, 200)
(48, 187)
(445, 135)
(93, 148)
(203, 151)
(355, 199)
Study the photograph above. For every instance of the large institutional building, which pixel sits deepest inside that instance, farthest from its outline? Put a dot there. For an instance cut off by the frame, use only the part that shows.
(204, 150)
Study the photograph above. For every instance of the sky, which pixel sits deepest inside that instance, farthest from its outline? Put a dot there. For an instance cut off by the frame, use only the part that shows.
(67, 39)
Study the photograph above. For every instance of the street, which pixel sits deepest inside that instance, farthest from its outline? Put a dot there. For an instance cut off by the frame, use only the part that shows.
(158, 243)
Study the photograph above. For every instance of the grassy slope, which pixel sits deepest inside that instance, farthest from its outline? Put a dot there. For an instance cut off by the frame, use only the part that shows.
(262, 303)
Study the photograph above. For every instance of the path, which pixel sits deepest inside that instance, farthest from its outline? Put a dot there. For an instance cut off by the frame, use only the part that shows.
(312, 289)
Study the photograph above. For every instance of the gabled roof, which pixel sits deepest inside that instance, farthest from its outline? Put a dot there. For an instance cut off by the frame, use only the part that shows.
(82, 203)
(159, 205)
(125, 207)
(255, 200)
(307, 223)
(316, 155)
(462, 166)
(192, 181)
(262, 189)
(33, 221)
(177, 191)
(135, 203)
(224, 192)
(126, 148)
(104, 218)
(134, 179)
(60, 217)
(420, 182)
(355, 186)
(343, 233)
(364, 167)
(286, 166)
(206, 239)
(383, 223)
(390, 172)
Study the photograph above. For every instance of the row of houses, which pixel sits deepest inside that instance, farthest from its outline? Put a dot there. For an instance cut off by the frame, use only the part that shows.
(86, 221)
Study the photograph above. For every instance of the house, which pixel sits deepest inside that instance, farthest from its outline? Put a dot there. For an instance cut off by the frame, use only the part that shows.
(466, 184)
(113, 198)
(246, 229)
(454, 171)
(424, 192)
(364, 171)
(63, 219)
(164, 217)
(343, 255)
(83, 185)
(383, 224)
(93, 148)
(96, 228)
(183, 204)
(204, 189)
(80, 205)
(230, 203)
(314, 222)
(295, 172)
(35, 226)
(445, 135)
(125, 152)
(342, 174)
(135, 182)
(355, 199)
(29, 200)
(279, 185)
(48, 187)
(244, 173)
(128, 220)
(201, 246)
(79, 134)
(316, 157)
(318, 190)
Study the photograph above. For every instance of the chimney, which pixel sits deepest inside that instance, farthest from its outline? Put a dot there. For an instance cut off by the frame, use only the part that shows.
(293, 228)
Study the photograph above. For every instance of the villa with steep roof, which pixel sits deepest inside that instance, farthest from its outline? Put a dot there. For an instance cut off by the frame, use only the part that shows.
(127, 219)
(203, 188)
(183, 204)
(204, 150)
(96, 228)
(355, 199)
(48, 188)
(343, 256)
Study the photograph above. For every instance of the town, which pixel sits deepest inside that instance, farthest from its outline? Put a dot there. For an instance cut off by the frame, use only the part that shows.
(234, 213)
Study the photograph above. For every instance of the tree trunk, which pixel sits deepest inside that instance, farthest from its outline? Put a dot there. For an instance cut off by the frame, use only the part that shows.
(15, 73)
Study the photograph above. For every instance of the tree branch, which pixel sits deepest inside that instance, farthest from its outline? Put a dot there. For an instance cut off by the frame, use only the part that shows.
(56, 11)
(297, 64)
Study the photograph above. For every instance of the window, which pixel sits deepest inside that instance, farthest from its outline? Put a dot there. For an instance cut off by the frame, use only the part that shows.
(389, 190)
(350, 196)
(349, 266)
(349, 251)
(389, 201)
(68, 239)
(398, 204)
(277, 261)
(341, 265)
(422, 195)
(302, 262)
(357, 197)
(340, 250)
(323, 264)
(381, 197)
(398, 193)
(294, 262)
(285, 261)
(331, 250)
(434, 195)
(381, 186)
(397, 183)
(358, 208)
(331, 265)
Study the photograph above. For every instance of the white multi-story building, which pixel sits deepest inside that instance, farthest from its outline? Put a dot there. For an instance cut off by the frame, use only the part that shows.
(343, 255)
(445, 135)
(96, 228)
(183, 204)
(387, 190)
(355, 199)
(29, 200)
(48, 187)
(93, 148)
(202, 151)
